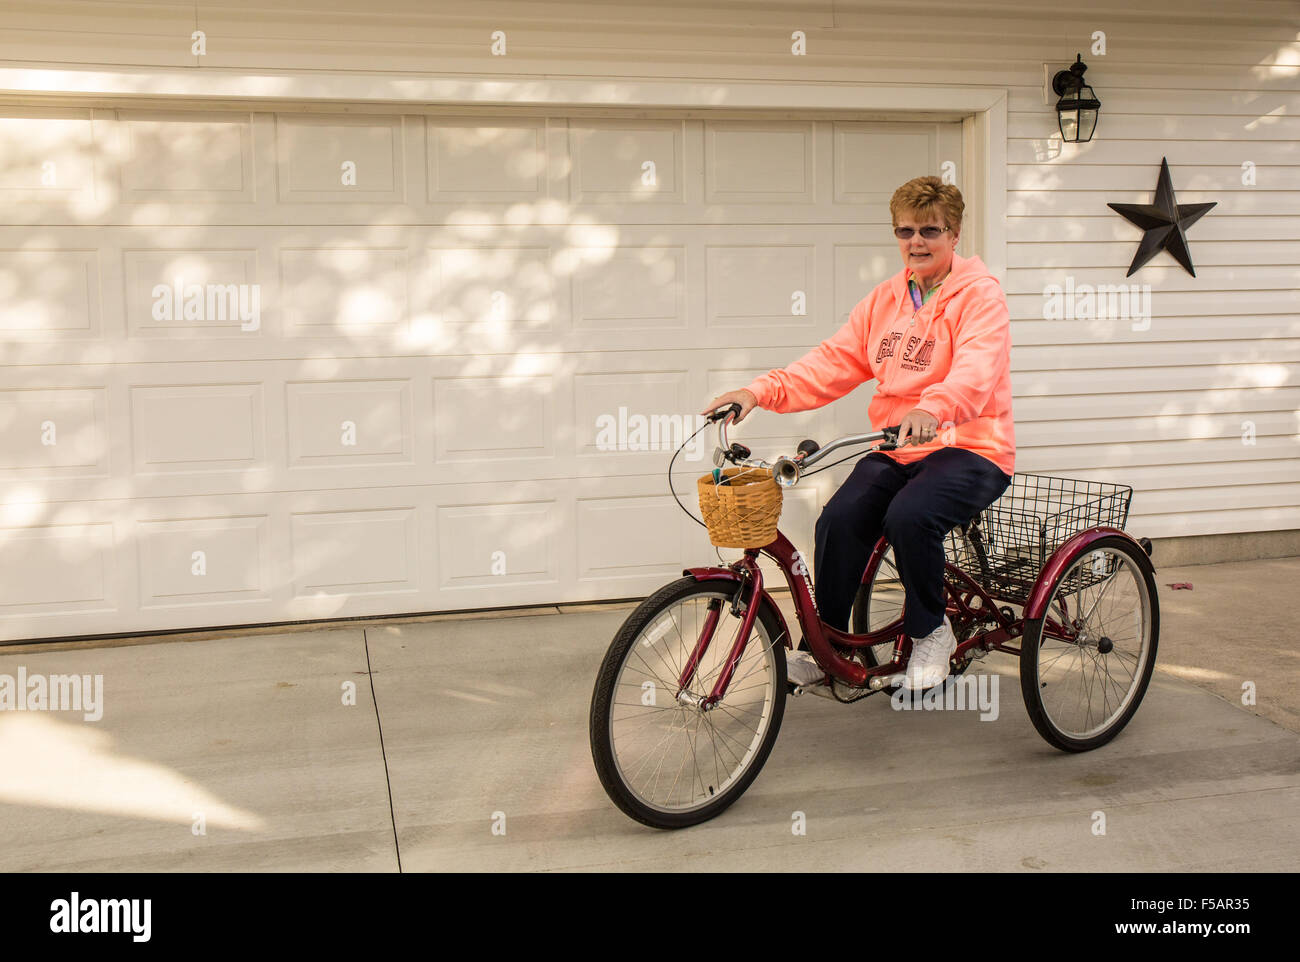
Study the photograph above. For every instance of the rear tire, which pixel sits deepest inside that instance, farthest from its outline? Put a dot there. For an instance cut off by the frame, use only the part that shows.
(1080, 694)
(878, 603)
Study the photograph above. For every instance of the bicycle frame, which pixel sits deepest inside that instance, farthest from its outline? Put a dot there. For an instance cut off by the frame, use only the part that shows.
(967, 600)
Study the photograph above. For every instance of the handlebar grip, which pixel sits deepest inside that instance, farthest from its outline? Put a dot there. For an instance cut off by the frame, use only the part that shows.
(722, 412)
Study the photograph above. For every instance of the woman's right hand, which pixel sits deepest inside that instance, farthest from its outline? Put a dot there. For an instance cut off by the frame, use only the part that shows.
(744, 398)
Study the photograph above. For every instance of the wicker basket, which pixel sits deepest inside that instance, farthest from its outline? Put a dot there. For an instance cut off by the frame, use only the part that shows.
(742, 513)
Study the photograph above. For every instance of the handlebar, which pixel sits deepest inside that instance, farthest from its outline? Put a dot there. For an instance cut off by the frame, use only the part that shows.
(787, 470)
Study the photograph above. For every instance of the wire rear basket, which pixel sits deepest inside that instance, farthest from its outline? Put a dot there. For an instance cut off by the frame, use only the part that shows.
(1034, 516)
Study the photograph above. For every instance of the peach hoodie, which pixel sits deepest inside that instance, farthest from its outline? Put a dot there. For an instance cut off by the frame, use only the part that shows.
(952, 359)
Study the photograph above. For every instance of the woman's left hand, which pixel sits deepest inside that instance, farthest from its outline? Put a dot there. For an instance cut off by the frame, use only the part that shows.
(917, 427)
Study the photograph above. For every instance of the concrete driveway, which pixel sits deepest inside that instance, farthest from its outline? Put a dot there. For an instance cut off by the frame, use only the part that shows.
(460, 744)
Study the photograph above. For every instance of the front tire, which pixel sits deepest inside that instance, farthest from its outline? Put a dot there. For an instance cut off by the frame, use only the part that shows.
(665, 763)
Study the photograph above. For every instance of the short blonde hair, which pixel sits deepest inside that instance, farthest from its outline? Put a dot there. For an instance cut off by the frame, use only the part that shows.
(925, 196)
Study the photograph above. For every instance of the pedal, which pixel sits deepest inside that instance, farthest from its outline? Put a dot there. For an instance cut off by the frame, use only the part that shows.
(881, 682)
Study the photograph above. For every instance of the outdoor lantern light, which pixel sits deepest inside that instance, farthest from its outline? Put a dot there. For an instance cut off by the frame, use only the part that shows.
(1078, 106)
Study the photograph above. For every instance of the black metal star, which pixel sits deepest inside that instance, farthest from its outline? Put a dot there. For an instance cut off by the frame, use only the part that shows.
(1164, 222)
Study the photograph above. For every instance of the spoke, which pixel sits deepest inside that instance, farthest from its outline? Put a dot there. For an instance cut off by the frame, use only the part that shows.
(648, 715)
(666, 663)
(735, 759)
(760, 658)
(682, 767)
(677, 669)
(1065, 647)
(653, 748)
(732, 762)
(717, 775)
(1107, 581)
(724, 706)
(654, 674)
(740, 722)
(660, 766)
(743, 747)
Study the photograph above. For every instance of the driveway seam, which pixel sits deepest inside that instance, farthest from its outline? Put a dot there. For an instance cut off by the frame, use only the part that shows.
(388, 781)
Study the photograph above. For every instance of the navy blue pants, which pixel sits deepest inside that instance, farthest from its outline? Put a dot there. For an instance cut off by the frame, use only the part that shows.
(914, 505)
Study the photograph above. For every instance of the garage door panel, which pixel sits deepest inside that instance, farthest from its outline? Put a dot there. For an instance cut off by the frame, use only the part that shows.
(480, 419)
(620, 161)
(456, 354)
(628, 287)
(756, 163)
(607, 526)
(191, 293)
(346, 553)
(491, 291)
(50, 571)
(632, 413)
(49, 155)
(333, 159)
(198, 428)
(343, 423)
(182, 157)
(344, 292)
(498, 544)
(873, 159)
(49, 293)
(54, 434)
(493, 160)
(761, 285)
(204, 561)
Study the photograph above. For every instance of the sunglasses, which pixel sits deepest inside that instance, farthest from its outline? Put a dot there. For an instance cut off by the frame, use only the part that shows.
(929, 233)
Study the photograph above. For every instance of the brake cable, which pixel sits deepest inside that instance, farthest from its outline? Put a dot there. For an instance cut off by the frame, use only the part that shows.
(698, 521)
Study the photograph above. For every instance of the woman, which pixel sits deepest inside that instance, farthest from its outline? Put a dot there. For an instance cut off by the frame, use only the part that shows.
(937, 338)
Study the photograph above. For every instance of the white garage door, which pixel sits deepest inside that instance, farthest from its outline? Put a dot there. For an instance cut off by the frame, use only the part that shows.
(270, 366)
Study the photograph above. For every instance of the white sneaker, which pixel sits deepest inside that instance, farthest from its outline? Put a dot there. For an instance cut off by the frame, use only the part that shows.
(928, 665)
(802, 668)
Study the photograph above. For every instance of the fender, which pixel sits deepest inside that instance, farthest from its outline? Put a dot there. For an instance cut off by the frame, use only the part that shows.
(727, 574)
(1065, 555)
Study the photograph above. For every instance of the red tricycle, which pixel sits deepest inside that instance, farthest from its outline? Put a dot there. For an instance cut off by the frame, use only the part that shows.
(690, 695)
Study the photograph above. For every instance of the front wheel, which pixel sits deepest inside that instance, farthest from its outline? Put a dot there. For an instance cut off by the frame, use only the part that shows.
(662, 759)
(1085, 665)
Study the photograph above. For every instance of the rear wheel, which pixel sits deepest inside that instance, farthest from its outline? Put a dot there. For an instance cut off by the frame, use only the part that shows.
(879, 603)
(662, 759)
(1085, 665)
